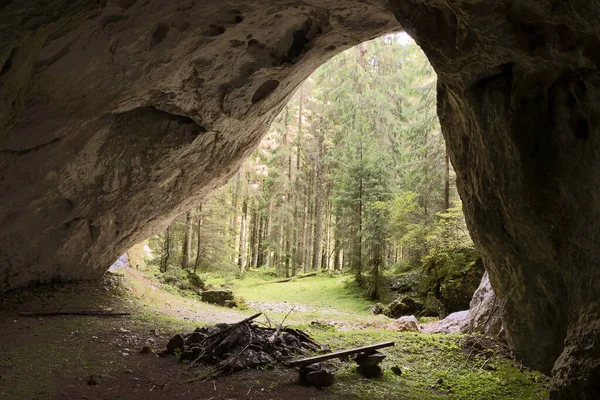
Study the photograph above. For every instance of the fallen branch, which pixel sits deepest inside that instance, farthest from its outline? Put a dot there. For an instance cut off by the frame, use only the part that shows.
(290, 278)
(277, 332)
(104, 312)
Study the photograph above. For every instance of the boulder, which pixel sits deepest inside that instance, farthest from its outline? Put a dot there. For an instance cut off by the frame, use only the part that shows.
(453, 323)
(221, 297)
(485, 312)
(405, 324)
(403, 306)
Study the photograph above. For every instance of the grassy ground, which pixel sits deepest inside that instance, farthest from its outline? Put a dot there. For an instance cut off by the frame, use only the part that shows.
(54, 357)
(323, 291)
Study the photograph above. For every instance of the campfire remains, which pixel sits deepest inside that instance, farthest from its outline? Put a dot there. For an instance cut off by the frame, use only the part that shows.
(229, 348)
(233, 347)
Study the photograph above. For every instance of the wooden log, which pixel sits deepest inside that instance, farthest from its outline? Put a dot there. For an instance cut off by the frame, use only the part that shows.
(290, 278)
(338, 354)
(90, 312)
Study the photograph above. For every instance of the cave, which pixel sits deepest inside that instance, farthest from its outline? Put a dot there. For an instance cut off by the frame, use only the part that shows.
(116, 116)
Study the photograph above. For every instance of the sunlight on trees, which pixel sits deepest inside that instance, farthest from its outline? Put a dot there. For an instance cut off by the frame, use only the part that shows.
(353, 176)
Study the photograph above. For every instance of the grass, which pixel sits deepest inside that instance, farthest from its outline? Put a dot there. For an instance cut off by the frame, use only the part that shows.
(433, 366)
(321, 290)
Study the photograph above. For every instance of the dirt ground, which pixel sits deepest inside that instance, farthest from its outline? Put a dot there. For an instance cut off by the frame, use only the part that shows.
(74, 357)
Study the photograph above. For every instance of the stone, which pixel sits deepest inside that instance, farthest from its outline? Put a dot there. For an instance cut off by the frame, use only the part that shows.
(485, 312)
(403, 306)
(369, 360)
(176, 343)
(221, 297)
(453, 323)
(113, 120)
(318, 374)
(405, 324)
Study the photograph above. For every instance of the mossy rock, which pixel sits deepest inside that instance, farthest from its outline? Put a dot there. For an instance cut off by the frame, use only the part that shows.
(221, 297)
(404, 306)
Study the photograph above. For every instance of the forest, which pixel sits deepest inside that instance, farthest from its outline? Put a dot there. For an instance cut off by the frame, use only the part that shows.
(353, 177)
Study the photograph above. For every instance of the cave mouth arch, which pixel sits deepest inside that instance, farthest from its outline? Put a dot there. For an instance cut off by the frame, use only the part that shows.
(291, 206)
(93, 93)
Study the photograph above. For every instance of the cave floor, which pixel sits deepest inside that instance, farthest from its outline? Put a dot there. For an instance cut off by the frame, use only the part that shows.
(91, 357)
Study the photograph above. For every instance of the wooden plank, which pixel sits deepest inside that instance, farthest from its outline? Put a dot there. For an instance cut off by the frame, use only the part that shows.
(338, 354)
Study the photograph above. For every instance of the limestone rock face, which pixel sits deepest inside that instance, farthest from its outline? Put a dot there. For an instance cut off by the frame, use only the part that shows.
(485, 311)
(518, 100)
(117, 115)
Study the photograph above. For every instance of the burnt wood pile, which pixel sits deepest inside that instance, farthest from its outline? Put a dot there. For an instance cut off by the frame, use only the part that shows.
(245, 344)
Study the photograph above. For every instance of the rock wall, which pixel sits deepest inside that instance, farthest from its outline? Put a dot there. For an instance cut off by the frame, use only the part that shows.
(519, 102)
(115, 116)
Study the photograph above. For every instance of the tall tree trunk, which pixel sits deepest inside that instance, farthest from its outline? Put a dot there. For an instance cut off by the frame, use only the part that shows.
(280, 256)
(234, 218)
(242, 257)
(316, 261)
(268, 235)
(166, 254)
(297, 245)
(337, 252)
(359, 212)
(199, 239)
(186, 251)
(252, 242)
(309, 227)
(258, 262)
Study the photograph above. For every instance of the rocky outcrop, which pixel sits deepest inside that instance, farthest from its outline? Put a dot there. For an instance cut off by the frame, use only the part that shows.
(485, 312)
(518, 100)
(117, 115)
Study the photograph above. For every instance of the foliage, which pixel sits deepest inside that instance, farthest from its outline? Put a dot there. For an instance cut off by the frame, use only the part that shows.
(352, 177)
(452, 268)
(433, 366)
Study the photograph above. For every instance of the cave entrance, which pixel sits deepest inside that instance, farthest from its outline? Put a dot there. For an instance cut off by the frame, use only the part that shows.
(352, 179)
